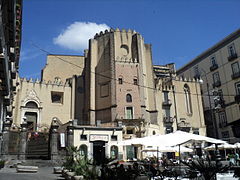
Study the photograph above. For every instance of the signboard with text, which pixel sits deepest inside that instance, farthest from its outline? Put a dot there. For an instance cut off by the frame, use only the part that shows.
(98, 137)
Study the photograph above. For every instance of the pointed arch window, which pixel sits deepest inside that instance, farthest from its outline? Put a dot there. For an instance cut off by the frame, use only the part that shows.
(128, 98)
(188, 102)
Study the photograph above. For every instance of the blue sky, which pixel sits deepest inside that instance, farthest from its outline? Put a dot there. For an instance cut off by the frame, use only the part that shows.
(178, 30)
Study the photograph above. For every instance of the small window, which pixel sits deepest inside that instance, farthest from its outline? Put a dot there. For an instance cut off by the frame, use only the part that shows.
(31, 104)
(128, 98)
(129, 113)
(83, 137)
(83, 150)
(135, 81)
(113, 138)
(213, 61)
(114, 152)
(216, 77)
(129, 131)
(235, 68)
(196, 71)
(231, 50)
(237, 86)
(154, 133)
(57, 97)
(120, 80)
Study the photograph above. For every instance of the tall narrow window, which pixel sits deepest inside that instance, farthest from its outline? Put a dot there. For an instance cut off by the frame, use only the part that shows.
(237, 85)
(165, 96)
(216, 77)
(196, 72)
(213, 61)
(231, 50)
(120, 80)
(235, 68)
(135, 81)
(188, 99)
(129, 113)
(128, 98)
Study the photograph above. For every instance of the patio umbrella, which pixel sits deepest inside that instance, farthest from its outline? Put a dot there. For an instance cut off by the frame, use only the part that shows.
(167, 149)
(237, 145)
(222, 146)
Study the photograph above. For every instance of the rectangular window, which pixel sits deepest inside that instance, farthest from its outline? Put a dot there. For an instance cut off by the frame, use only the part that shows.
(222, 118)
(114, 138)
(196, 71)
(225, 134)
(129, 113)
(83, 137)
(216, 77)
(237, 86)
(57, 97)
(120, 80)
(231, 50)
(135, 81)
(235, 68)
(129, 131)
(165, 96)
(213, 61)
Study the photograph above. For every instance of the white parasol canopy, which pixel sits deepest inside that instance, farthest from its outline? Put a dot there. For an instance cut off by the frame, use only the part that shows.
(178, 138)
(237, 145)
(222, 146)
(167, 149)
(171, 139)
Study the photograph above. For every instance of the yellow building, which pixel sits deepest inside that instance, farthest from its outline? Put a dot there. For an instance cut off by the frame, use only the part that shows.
(113, 92)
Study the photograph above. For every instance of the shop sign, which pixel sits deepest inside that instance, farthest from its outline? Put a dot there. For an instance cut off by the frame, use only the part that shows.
(98, 137)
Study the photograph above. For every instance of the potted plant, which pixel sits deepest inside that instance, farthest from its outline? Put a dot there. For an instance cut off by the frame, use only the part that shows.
(2, 163)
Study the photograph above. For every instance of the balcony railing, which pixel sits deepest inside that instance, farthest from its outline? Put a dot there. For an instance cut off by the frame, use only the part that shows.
(236, 75)
(213, 67)
(216, 84)
(232, 57)
(237, 98)
(167, 102)
(167, 119)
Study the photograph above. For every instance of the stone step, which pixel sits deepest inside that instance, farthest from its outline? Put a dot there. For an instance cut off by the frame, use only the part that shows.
(24, 169)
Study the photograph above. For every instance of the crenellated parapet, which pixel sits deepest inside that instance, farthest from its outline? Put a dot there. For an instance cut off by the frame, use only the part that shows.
(44, 83)
(117, 30)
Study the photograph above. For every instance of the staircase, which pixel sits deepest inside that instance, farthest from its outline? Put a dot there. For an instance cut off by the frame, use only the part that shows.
(38, 147)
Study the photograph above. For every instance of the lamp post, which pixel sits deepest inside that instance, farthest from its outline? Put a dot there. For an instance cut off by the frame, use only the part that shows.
(212, 118)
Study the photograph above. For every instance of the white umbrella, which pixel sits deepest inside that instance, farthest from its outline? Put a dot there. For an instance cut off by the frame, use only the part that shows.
(237, 145)
(167, 149)
(222, 146)
(178, 138)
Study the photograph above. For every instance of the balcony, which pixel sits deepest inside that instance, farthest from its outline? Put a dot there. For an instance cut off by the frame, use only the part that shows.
(237, 99)
(167, 102)
(222, 125)
(213, 67)
(232, 57)
(167, 120)
(216, 84)
(236, 75)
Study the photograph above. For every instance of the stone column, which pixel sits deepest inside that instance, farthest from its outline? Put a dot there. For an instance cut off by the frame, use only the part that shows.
(54, 141)
(23, 141)
(70, 134)
(5, 140)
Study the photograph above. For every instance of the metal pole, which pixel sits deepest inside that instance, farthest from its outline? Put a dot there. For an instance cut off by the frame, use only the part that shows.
(211, 112)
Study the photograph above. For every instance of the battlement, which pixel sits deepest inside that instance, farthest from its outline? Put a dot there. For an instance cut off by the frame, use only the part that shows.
(46, 83)
(114, 30)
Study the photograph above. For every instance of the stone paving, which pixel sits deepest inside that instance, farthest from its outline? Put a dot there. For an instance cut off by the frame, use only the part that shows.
(44, 173)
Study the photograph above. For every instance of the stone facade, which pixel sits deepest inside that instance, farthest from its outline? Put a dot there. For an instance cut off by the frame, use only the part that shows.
(113, 92)
(218, 67)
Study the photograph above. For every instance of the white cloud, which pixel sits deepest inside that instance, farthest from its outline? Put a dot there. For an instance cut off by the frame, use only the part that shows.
(76, 36)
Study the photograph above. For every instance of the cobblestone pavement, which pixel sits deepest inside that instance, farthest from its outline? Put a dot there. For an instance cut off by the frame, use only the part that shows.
(44, 173)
